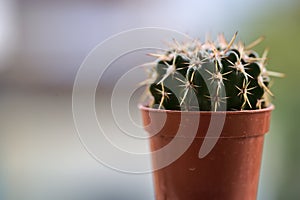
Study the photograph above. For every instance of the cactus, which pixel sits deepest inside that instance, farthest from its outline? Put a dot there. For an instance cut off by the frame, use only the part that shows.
(210, 76)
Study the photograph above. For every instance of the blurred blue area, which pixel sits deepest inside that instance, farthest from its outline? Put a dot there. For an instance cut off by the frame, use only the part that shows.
(42, 45)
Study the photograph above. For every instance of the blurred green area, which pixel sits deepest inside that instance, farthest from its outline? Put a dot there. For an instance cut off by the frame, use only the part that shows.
(281, 166)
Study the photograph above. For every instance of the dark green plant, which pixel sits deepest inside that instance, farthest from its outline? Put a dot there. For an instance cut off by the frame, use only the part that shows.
(210, 76)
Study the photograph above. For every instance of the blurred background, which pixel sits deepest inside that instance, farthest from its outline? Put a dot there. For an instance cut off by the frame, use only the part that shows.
(42, 45)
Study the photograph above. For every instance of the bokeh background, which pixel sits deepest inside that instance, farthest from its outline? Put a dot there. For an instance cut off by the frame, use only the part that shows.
(42, 45)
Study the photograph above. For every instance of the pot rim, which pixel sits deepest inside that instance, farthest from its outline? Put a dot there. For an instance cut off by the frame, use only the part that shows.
(239, 112)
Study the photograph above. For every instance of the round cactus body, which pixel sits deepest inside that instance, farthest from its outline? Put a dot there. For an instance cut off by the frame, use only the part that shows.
(210, 76)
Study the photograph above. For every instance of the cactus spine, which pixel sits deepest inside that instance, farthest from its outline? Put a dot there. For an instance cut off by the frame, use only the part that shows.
(210, 76)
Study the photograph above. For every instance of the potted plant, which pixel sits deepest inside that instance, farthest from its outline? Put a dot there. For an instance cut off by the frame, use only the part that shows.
(194, 88)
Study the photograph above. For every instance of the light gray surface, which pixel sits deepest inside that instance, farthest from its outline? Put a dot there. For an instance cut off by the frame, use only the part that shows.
(44, 159)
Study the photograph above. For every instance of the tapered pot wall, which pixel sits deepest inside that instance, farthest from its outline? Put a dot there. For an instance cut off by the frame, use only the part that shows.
(230, 171)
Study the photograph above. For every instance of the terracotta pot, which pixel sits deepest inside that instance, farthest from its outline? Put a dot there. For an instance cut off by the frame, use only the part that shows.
(230, 171)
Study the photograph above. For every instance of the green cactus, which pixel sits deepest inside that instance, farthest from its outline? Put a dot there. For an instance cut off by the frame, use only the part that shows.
(210, 76)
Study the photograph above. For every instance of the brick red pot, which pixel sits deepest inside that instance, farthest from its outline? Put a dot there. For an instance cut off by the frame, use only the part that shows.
(230, 171)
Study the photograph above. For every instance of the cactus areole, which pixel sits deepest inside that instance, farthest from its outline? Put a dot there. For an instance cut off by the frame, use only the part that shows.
(210, 76)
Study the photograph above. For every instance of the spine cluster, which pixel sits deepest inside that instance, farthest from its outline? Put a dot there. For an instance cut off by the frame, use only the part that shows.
(210, 76)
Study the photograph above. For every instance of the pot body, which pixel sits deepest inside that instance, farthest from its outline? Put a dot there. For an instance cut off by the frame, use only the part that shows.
(230, 171)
